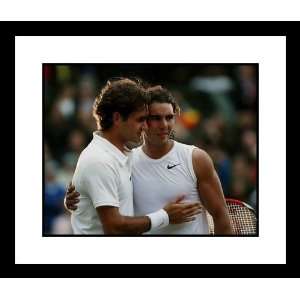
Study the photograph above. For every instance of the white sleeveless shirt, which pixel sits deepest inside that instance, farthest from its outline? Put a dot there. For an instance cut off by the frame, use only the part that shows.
(158, 181)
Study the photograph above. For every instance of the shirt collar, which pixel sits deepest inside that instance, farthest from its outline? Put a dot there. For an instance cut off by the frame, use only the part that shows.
(111, 148)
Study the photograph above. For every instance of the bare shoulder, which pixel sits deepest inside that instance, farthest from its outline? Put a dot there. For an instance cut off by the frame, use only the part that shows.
(202, 162)
(201, 157)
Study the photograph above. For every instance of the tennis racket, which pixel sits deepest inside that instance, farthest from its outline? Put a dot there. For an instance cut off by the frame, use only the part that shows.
(242, 217)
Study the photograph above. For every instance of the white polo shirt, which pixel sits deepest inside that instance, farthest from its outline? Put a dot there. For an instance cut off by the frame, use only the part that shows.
(103, 178)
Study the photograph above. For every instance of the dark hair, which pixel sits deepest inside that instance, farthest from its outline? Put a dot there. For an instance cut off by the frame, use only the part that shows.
(161, 95)
(121, 95)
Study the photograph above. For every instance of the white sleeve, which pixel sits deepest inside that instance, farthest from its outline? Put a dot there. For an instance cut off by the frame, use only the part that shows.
(101, 185)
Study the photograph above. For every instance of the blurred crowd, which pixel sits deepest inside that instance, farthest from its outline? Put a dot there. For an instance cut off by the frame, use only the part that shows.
(218, 114)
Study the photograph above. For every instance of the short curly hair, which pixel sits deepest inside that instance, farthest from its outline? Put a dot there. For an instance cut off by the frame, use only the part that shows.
(123, 95)
(161, 95)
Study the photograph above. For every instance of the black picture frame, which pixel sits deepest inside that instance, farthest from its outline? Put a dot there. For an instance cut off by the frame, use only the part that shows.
(11, 29)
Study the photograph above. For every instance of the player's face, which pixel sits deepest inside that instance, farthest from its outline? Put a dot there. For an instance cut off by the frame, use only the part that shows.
(134, 126)
(161, 120)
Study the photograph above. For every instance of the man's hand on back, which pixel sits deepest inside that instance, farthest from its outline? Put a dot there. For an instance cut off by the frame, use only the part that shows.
(72, 197)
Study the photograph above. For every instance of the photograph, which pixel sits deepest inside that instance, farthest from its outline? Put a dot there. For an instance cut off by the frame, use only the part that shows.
(131, 139)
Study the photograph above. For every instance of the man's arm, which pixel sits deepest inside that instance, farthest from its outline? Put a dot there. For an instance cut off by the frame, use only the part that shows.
(210, 191)
(115, 223)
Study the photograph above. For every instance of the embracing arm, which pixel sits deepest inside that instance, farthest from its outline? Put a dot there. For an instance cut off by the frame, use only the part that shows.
(115, 223)
(210, 191)
(100, 183)
(176, 212)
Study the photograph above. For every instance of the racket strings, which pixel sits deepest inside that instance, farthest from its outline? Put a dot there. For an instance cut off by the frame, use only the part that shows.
(242, 218)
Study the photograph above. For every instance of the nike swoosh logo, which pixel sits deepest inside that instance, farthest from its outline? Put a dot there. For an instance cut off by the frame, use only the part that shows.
(170, 167)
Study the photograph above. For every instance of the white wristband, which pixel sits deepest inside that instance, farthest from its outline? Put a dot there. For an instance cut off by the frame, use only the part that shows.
(69, 210)
(159, 219)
